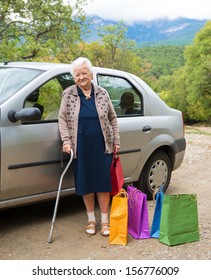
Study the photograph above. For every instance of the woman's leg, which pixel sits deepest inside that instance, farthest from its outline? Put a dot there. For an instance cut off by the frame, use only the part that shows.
(89, 201)
(104, 200)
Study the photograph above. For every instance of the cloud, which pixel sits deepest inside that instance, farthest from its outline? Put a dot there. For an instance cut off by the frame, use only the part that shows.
(134, 10)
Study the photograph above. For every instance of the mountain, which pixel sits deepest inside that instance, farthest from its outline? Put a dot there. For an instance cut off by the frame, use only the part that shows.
(177, 32)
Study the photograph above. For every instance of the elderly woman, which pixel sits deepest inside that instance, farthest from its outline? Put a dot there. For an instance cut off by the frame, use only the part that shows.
(88, 125)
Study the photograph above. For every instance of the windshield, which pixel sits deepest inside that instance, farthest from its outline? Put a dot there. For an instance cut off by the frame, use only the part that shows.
(13, 79)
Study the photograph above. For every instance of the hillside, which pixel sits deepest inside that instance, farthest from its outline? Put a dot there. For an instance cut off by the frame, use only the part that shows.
(176, 32)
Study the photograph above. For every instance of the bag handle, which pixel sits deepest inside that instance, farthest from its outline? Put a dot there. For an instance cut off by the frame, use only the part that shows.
(157, 190)
(134, 194)
(115, 158)
(192, 196)
(122, 193)
(115, 155)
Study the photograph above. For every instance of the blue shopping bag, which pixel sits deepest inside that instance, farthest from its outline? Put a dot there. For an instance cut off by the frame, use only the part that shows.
(155, 228)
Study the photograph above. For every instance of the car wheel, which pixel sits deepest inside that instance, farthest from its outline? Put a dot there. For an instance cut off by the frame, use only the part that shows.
(156, 173)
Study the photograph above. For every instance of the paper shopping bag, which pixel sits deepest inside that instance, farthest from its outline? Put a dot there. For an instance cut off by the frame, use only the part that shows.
(119, 219)
(179, 219)
(117, 177)
(138, 220)
(155, 228)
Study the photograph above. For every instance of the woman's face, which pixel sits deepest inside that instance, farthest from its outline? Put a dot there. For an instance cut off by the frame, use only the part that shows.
(82, 76)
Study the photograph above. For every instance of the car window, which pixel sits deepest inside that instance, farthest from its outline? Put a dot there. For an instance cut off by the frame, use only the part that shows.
(47, 98)
(125, 98)
(13, 79)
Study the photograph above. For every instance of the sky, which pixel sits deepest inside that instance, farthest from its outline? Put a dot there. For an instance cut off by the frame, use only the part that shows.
(139, 10)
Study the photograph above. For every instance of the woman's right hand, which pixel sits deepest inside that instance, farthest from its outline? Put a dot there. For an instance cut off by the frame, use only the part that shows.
(66, 148)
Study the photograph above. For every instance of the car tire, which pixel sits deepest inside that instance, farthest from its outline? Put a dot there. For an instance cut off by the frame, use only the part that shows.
(156, 173)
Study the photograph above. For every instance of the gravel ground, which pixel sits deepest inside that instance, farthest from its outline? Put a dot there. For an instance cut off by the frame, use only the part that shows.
(24, 231)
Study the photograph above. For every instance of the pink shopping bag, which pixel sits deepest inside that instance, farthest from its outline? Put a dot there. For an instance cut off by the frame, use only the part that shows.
(138, 219)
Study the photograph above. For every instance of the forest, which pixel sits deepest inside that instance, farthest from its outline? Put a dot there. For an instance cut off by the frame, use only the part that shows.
(53, 31)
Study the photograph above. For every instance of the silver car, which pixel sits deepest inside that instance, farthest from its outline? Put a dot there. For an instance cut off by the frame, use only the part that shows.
(152, 134)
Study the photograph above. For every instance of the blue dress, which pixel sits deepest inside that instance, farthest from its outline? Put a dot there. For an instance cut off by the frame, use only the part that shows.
(92, 166)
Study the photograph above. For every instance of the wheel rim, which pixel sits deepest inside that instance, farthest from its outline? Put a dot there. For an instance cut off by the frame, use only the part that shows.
(158, 174)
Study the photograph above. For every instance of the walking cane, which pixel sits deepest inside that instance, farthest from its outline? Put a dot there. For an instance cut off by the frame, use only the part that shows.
(58, 195)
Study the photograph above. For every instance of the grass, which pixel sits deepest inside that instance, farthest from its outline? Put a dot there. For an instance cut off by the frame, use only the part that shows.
(197, 130)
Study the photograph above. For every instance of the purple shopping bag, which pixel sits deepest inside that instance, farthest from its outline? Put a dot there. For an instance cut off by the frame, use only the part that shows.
(138, 219)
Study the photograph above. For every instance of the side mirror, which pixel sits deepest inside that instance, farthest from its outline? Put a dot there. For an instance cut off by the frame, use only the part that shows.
(26, 114)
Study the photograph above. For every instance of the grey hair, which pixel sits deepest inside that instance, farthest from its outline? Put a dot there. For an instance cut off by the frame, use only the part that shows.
(79, 62)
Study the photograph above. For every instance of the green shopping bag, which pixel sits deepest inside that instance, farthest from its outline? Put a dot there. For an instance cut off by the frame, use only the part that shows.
(179, 219)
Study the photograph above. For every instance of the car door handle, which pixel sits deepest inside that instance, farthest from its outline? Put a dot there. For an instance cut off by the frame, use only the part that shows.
(146, 128)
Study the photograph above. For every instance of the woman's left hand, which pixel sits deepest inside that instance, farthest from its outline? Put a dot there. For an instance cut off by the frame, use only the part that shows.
(116, 148)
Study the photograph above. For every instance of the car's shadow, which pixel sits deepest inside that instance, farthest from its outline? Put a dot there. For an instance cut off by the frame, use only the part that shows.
(39, 213)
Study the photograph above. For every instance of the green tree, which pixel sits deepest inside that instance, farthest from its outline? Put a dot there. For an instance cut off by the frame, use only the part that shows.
(32, 29)
(164, 59)
(126, 59)
(173, 90)
(189, 88)
(114, 38)
(95, 51)
(198, 81)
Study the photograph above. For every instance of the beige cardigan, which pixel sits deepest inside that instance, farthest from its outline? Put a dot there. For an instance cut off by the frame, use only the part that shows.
(68, 118)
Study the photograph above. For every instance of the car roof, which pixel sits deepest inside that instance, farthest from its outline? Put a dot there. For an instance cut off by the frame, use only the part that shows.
(35, 65)
(46, 66)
